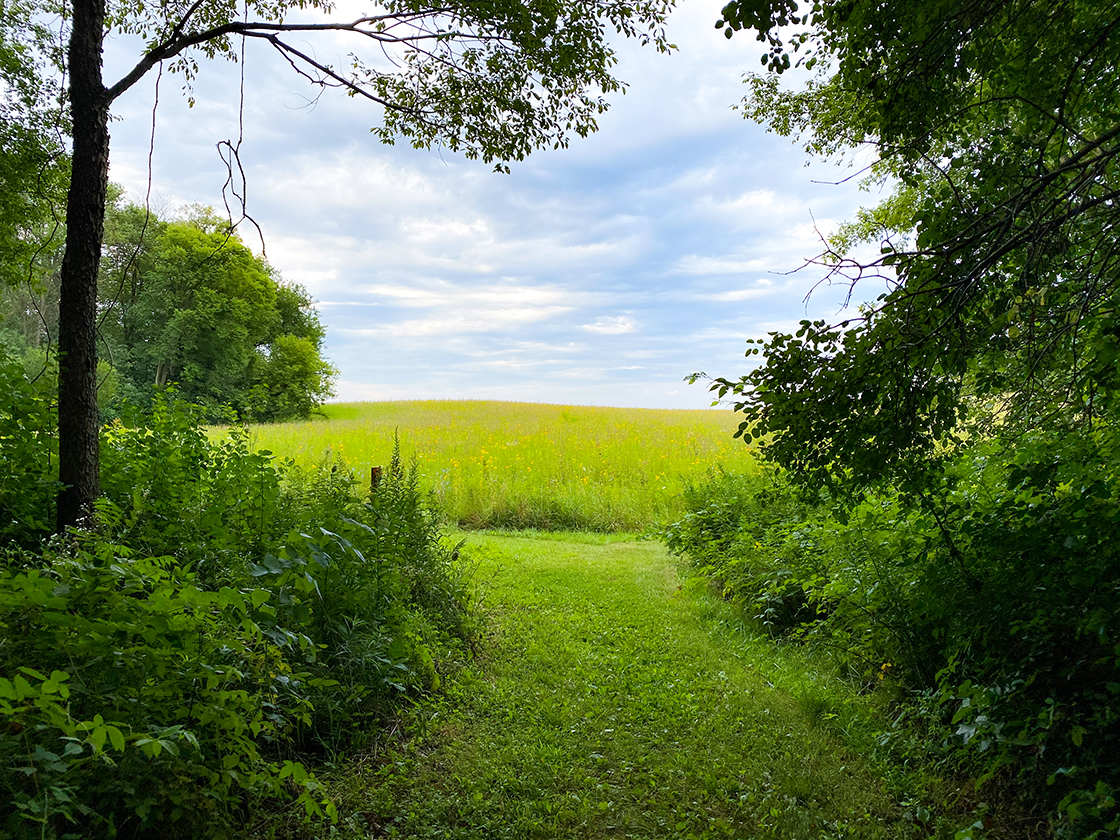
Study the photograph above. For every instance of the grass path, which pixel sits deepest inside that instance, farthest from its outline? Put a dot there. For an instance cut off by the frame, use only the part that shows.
(609, 703)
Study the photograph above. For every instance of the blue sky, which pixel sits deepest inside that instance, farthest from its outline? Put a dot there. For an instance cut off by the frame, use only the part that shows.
(602, 274)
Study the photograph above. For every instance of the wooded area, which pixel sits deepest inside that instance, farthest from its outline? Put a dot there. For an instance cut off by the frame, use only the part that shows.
(937, 509)
(181, 302)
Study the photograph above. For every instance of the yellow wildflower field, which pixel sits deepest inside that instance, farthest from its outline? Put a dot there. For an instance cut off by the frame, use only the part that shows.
(527, 465)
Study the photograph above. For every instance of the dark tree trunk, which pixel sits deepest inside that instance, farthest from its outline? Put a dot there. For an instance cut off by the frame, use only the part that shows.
(78, 457)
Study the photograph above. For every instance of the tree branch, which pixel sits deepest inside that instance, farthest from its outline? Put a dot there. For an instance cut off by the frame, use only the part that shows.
(177, 43)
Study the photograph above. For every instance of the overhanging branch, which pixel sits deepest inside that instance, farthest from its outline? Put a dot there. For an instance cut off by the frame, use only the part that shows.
(371, 27)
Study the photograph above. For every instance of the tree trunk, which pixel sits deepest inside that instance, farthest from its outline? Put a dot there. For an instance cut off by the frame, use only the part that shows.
(78, 456)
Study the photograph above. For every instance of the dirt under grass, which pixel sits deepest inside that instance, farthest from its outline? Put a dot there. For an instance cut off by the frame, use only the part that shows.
(613, 700)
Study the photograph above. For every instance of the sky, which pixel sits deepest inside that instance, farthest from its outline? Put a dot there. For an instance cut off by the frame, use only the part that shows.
(600, 274)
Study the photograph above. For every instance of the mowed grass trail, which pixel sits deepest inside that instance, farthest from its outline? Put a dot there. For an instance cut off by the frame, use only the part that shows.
(609, 703)
(527, 465)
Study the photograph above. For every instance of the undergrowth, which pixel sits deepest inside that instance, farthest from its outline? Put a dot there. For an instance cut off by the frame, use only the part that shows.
(987, 606)
(222, 625)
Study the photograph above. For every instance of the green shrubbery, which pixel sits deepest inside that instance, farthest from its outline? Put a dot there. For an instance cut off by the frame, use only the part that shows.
(28, 456)
(991, 601)
(225, 619)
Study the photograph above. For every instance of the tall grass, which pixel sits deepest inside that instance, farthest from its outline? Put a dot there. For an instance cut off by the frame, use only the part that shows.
(528, 465)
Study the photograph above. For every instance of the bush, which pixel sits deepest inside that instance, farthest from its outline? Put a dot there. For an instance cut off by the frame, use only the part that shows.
(761, 540)
(139, 702)
(389, 598)
(992, 599)
(28, 456)
(228, 620)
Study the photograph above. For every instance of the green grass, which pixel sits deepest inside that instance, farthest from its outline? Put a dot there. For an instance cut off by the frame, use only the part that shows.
(528, 465)
(612, 700)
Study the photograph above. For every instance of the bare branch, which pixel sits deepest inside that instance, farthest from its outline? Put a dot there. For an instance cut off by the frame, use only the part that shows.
(287, 50)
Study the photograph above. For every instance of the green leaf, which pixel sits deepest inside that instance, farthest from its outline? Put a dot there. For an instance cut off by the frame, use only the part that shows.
(22, 688)
(116, 738)
(258, 597)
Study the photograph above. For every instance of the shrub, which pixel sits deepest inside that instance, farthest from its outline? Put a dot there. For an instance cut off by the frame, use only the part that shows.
(994, 595)
(760, 539)
(28, 456)
(226, 621)
(168, 490)
(388, 598)
(139, 701)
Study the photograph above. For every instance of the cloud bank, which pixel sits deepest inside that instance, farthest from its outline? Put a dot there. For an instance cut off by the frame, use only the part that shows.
(599, 274)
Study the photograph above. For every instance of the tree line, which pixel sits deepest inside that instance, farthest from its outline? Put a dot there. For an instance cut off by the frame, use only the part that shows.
(181, 302)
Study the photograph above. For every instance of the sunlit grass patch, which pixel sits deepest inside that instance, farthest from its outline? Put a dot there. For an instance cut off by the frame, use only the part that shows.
(528, 465)
(607, 704)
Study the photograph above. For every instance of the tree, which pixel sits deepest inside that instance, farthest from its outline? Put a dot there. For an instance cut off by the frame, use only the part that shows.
(294, 381)
(999, 124)
(184, 302)
(187, 302)
(493, 79)
(965, 418)
(32, 158)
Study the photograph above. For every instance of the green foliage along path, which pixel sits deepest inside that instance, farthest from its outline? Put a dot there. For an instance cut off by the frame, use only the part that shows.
(611, 702)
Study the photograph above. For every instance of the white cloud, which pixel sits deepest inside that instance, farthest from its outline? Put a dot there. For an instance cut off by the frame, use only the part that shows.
(440, 293)
(479, 321)
(599, 274)
(612, 325)
(509, 364)
(742, 294)
(694, 264)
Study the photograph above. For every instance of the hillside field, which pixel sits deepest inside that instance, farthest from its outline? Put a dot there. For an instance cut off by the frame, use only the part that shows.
(527, 465)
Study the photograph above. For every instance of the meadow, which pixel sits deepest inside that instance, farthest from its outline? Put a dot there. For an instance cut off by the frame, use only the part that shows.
(527, 465)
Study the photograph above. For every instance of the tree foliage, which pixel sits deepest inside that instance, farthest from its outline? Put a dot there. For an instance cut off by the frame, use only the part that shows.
(951, 441)
(181, 301)
(493, 80)
(999, 125)
(32, 140)
(186, 302)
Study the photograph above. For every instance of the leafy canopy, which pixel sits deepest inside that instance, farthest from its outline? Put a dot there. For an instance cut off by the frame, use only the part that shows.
(998, 124)
(186, 302)
(493, 79)
(32, 134)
